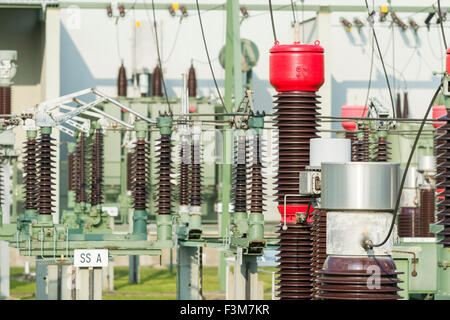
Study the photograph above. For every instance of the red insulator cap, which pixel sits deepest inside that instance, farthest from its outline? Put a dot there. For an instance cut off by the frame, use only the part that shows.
(292, 210)
(438, 112)
(352, 112)
(297, 67)
(447, 68)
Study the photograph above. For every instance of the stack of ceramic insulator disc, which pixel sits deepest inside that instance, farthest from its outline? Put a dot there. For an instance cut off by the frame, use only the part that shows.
(354, 143)
(382, 151)
(296, 119)
(164, 186)
(185, 157)
(427, 207)
(122, 82)
(45, 180)
(97, 169)
(319, 234)
(257, 183)
(5, 100)
(130, 166)
(240, 175)
(443, 176)
(192, 82)
(196, 174)
(140, 172)
(363, 153)
(80, 170)
(156, 82)
(30, 168)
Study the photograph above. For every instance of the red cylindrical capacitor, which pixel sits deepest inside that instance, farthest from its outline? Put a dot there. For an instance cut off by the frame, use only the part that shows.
(297, 67)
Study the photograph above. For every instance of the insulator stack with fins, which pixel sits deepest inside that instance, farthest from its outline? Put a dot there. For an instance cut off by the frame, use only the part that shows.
(122, 82)
(97, 169)
(196, 174)
(80, 165)
(319, 234)
(140, 172)
(240, 175)
(443, 178)
(363, 153)
(185, 161)
(346, 278)
(296, 119)
(192, 82)
(31, 177)
(5, 100)
(157, 82)
(45, 180)
(382, 151)
(164, 186)
(354, 143)
(398, 107)
(427, 207)
(405, 105)
(257, 181)
(70, 171)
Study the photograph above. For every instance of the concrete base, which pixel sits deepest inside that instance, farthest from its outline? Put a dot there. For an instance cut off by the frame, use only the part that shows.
(133, 270)
(89, 284)
(242, 279)
(4, 269)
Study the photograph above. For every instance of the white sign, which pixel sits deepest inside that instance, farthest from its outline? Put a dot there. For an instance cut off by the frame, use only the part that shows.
(111, 211)
(90, 258)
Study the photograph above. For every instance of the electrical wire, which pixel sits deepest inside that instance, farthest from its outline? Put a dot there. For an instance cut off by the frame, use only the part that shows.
(172, 50)
(273, 23)
(402, 183)
(293, 11)
(382, 62)
(209, 59)
(157, 51)
(442, 24)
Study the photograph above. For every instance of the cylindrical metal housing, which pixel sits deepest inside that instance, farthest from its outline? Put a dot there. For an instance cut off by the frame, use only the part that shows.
(366, 186)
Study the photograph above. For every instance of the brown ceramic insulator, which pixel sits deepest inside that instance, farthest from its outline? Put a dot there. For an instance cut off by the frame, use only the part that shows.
(80, 181)
(398, 105)
(319, 236)
(257, 181)
(405, 105)
(295, 256)
(240, 175)
(427, 208)
(5, 100)
(443, 176)
(382, 150)
(296, 120)
(130, 178)
(30, 170)
(185, 157)
(97, 169)
(439, 139)
(297, 123)
(140, 174)
(196, 175)
(192, 83)
(353, 278)
(157, 82)
(417, 223)
(353, 141)
(70, 172)
(363, 150)
(45, 180)
(405, 223)
(164, 185)
(122, 82)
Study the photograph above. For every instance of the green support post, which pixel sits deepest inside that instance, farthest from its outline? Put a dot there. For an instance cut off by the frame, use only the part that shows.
(233, 78)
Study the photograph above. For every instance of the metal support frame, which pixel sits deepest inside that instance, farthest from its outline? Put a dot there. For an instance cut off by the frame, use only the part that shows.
(189, 272)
